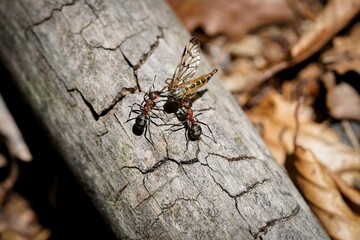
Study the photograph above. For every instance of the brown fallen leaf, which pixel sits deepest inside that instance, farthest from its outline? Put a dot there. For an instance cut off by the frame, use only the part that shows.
(18, 220)
(343, 102)
(335, 16)
(345, 54)
(306, 85)
(324, 198)
(6, 186)
(277, 116)
(351, 178)
(233, 18)
(349, 192)
(258, 53)
(11, 135)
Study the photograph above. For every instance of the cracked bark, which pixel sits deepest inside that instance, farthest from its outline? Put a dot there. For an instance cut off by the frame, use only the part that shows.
(81, 64)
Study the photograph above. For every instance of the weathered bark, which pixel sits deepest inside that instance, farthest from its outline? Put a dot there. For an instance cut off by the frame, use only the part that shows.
(77, 63)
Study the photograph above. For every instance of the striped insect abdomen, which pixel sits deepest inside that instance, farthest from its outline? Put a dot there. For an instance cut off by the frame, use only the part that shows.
(197, 83)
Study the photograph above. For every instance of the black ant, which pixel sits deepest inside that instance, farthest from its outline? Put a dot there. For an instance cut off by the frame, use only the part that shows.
(188, 120)
(145, 114)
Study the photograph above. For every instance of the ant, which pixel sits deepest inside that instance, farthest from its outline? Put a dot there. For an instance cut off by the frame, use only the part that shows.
(188, 120)
(145, 114)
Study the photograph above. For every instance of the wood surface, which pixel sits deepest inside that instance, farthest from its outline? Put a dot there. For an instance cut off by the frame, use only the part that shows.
(81, 64)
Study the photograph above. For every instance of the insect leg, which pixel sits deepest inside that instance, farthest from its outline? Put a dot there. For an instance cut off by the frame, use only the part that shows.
(147, 128)
(212, 138)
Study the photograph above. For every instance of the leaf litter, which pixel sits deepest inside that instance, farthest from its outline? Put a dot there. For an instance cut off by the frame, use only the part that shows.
(297, 76)
(17, 218)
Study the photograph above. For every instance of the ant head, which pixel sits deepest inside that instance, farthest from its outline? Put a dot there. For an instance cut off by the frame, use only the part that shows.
(194, 132)
(153, 95)
(186, 103)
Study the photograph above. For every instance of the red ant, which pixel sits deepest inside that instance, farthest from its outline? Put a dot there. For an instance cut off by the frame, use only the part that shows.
(145, 114)
(188, 120)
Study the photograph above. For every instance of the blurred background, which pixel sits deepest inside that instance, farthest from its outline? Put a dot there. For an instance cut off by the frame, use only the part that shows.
(293, 66)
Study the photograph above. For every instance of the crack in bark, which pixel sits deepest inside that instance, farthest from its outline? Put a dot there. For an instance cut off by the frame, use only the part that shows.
(120, 95)
(144, 57)
(247, 190)
(123, 92)
(240, 214)
(58, 9)
(168, 208)
(152, 48)
(133, 69)
(118, 194)
(94, 11)
(149, 170)
(181, 199)
(160, 163)
(263, 230)
(86, 26)
(252, 187)
(96, 116)
(188, 162)
(233, 159)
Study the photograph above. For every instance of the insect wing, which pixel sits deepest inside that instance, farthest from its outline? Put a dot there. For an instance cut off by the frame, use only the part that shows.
(188, 64)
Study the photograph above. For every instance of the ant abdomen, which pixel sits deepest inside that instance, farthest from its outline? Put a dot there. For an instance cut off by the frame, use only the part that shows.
(140, 121)
(194, 132)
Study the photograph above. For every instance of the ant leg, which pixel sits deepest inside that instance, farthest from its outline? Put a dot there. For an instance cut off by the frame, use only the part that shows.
(155, 115)
(158, 124)
(133, 111)
(198, 114)
(187, 139)
(212, 138)
(174, 130)
(132, 108)
(129, 119)
(147, 128)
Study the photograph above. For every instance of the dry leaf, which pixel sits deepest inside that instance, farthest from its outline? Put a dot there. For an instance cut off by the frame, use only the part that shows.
(343, 102)
(248, 46)
(277, 116)
(345, 54)
(324, 198)
(351, 178)
(352, 194)
(6, 186)
(11, 135)
(269, 47)
(233, 18)
(336, 15)
(306, 85)
(18, 219)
